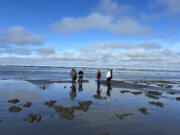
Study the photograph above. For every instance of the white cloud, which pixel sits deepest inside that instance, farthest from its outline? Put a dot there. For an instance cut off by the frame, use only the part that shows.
(105, 54)
(111, 7)
(172, 6)
(19, 36)
(147, 45)
(45, 51)
(27, 51)
(16, 51)
(72, 24)
(122, 46)
(167, 8)
(136, 53)
(123, 26)
(107, 16)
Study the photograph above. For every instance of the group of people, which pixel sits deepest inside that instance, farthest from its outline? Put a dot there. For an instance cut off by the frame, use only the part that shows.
(80, 74)
(108, 80)
(74, 76)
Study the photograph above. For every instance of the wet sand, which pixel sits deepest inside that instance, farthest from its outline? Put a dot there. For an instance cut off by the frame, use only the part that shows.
(56, 107)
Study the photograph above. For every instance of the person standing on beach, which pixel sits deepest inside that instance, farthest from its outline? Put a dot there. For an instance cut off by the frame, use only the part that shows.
(109, 77)
(80, 76)
(98, 77)
(73, 75)
(111, 74)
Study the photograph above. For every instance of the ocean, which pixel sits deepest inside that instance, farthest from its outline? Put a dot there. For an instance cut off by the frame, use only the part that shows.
(63, 73)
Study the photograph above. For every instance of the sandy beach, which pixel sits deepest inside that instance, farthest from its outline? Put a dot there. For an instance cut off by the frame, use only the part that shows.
(51, 107)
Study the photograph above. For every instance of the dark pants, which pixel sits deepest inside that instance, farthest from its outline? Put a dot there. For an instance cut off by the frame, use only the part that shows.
(73, 79)
(108, 81)
(98, 82)
(80, 79)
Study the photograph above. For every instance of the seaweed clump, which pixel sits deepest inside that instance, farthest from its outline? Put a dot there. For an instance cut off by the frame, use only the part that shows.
(32, 117)
(152, 96)
(13, 101)
(14, 109)
(68, 112)
(157, 104)
(125, 91)
(122, 116)
(143, 110)
(154, 93)
(27, 104)
(50, 103)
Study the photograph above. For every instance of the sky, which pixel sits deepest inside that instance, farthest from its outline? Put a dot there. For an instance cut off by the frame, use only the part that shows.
(96, 33)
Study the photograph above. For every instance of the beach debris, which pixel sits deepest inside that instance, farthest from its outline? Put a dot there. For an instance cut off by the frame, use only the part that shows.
(152, 96)
(13, 101)
(27, 104)
(132, 92)
(50, 103)
(122, 116)
(154, 93)
(172, 93)
(178, 98)
(58, 108)
(43, 87)
(157, 104)
(32, 117)
(98, 97)
(143, 110)
(125, 91)
(84, 105)
(14, 109)
(68, 112)
(136, 92)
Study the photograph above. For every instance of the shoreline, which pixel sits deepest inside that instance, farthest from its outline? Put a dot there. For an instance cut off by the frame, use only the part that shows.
(143, 85)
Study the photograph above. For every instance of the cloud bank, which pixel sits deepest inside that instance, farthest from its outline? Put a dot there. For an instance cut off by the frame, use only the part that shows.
(17, 35)
(108, 16)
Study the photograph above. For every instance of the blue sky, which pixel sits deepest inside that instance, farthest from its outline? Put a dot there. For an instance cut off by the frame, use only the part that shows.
(119, 33)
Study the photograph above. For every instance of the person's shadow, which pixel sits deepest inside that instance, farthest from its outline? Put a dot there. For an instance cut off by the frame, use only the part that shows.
(72, 93)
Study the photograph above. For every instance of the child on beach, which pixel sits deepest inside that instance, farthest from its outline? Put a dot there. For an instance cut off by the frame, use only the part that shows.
(73, 75)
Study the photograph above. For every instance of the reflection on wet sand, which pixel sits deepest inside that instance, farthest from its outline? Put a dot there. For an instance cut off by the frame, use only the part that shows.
(73, 93)
(19, 89)
(80, 86)
(98, 92)
(54, 101)
(108, 93)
